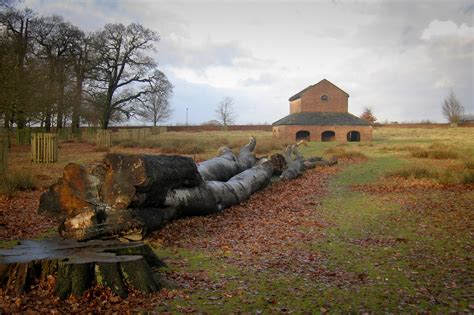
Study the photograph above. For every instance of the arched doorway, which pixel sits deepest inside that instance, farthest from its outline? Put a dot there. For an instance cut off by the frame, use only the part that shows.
(353, 136)
(302, 135)
(328, 136)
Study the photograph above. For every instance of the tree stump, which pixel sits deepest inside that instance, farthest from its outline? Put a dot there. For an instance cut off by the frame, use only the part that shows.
(80, 265)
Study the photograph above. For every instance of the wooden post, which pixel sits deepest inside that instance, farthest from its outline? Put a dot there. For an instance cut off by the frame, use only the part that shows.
(3, 154)
(104, 138)
(44, 148)
(23, 136)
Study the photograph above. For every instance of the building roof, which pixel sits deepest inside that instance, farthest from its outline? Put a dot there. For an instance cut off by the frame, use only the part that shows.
(300, 93)
(321, 118)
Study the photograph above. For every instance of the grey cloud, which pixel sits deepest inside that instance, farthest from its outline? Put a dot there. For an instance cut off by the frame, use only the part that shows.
(263, 79)
(179, 53)
(468, 9)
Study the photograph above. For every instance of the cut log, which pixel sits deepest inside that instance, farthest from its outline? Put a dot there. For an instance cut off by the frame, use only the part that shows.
(207, 198)
(226, 165)
(144, 180)
(80, 265)
(130, 196)
(278, 163)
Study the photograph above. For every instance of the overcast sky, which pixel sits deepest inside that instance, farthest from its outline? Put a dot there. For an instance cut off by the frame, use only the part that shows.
(398, 57)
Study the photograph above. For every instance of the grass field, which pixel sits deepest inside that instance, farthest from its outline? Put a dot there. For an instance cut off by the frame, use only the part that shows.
(389, 231)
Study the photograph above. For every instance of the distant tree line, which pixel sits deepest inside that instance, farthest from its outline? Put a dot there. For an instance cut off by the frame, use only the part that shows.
(54, 75)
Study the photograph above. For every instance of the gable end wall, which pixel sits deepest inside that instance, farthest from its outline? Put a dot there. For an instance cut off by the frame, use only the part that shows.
(311, 99)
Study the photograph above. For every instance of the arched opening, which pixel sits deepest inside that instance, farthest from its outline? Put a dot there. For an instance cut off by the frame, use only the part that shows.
(328, 136)
(353, 136)
(302, 135)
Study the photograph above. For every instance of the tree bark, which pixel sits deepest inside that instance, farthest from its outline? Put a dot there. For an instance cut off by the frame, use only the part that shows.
(295, 167)
(215, 196)
(226, 165)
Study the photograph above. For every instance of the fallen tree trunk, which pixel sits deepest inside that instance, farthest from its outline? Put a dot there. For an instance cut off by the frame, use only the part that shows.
(318, 161)
(131, 195)
(295, 167)
(80, 265)
(214, 196)
(125, 194)
(226, 165)
(136, 223)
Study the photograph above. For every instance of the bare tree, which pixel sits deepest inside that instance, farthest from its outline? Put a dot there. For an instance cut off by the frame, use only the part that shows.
(122, 70)
(156, 106)
(225, 111)
(452, 108)
(368, 115)
(80, 53)
(55, 39)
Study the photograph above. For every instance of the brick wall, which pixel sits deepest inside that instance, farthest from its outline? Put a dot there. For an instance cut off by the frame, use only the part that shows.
(289, 132)
(219, 128)
(295, 106)
(337, 100)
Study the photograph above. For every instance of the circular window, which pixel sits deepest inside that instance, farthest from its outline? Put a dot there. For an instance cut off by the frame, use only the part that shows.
(324, 97)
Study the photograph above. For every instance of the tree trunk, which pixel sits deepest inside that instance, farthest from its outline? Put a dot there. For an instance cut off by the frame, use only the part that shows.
(226, 165)
(131, 195)
(80, 265)
(215, 196)
(295, 167)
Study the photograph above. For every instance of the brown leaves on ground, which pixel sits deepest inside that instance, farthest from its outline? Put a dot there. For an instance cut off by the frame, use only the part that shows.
(19, 218)
(254, 233)
(98, 300)
(269, 231)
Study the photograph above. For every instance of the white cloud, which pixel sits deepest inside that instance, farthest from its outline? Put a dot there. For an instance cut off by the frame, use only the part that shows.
(444, 83)
(442, 29)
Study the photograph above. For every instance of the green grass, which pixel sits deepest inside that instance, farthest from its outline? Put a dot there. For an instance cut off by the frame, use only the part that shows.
(407, 272)
(342, 152)
(395, 273)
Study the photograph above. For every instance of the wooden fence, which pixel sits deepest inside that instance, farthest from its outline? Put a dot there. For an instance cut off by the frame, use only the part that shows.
(3, 154)
(44, 148)
(158, 130)
(135, 134)
(104, 138)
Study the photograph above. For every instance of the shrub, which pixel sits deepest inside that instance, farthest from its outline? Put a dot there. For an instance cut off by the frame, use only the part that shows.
(468, 177)
(469, 164)
(441, 154)
(16, 181)
(442, 176)
(435, 152)
(413, 171)
(419, 153)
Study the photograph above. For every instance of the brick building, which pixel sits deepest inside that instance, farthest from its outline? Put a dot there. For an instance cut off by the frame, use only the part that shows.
(320, 113)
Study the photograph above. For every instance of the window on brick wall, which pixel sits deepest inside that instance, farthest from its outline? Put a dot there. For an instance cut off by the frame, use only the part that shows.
(324, 98)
